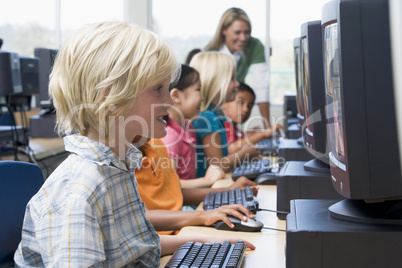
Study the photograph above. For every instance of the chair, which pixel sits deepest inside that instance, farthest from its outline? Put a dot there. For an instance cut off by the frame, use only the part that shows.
(19, 181)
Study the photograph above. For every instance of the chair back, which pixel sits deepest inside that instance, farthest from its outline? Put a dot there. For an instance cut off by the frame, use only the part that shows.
(19, 181)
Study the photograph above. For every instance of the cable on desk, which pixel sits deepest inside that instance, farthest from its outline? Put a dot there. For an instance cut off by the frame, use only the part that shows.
(274, 229)
(275, 211)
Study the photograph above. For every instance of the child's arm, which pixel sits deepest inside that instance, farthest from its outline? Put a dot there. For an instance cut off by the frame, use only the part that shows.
(213, 152)
(251, 138)
(169, 243)
(212, 174)
(195, 196)
(166, 220)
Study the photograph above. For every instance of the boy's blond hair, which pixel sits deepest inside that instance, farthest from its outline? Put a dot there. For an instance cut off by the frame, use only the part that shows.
(101, 70)
(216, 72)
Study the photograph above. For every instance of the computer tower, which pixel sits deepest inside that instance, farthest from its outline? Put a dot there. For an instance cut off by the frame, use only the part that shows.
(43, 126)
(10, 76)
(292, 150)
(314, 239)
(295, 182)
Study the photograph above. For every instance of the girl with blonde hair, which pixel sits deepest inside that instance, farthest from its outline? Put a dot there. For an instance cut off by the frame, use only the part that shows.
(218, 85)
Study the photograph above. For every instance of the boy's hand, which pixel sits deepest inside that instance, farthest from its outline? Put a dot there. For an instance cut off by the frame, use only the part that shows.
(214, 173)
(239, 211)
(243, 182)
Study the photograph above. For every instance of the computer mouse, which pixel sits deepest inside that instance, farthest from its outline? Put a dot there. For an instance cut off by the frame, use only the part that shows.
(266, 179)
(251, 225)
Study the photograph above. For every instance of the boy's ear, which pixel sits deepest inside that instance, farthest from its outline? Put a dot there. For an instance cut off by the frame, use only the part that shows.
(175, 95)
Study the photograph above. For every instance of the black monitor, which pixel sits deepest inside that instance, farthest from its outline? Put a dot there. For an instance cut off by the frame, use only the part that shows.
(46, 60)
(364, 154)
(29, 68)
(312, 84)
(396, 44)
(10, 76)
(299, 93)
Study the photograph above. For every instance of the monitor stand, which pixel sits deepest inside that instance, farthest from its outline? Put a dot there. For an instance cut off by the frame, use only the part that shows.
(295, 182)
(386, 213)
(316, 239)
(316, 165)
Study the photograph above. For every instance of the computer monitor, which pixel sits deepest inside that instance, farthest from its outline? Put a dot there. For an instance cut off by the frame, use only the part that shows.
(395, 7)
(299, 93)
(29, 68)
(10, 76)
(312, 85)
(46, 60)
(364, 154)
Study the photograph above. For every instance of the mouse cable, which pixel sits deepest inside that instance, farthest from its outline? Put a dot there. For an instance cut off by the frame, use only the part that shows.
(275, 211)
(274, 229)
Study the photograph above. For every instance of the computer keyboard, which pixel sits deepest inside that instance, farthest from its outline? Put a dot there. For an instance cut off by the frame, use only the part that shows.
(218, 254)
(269, 147)
(252, 169)
(238, 196)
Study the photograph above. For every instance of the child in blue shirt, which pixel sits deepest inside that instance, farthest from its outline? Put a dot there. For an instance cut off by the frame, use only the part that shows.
(218, 85)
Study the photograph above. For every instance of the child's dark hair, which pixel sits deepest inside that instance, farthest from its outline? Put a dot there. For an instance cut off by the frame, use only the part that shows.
(191, 54)
(188, 76)
(246, 88)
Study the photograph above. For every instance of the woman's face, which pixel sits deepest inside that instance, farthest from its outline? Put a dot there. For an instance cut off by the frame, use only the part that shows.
(237, 35)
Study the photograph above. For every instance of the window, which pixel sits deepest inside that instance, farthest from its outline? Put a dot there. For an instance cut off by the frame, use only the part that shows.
(26, 24)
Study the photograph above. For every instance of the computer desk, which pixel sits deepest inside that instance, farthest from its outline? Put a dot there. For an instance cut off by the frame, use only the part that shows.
(270, 244)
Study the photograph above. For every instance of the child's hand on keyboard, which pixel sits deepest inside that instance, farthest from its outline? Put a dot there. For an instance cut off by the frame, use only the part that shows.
(221, 213)
(251, 150)
(243, 182)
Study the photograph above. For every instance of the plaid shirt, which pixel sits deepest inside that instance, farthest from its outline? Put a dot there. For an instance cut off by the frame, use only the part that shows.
(89, 213)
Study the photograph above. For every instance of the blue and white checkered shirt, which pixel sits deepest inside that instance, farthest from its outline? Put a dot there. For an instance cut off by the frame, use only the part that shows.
(89, 213)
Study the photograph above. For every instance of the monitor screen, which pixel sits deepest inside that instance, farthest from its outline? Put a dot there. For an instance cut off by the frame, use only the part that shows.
(305, 81)
(364, 156)
(299, 90)
(313, 89)
(333, 98)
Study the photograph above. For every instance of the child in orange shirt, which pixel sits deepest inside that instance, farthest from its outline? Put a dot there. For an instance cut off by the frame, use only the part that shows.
(160, 189)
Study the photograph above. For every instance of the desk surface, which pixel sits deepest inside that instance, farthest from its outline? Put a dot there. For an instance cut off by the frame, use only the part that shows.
(270, 244)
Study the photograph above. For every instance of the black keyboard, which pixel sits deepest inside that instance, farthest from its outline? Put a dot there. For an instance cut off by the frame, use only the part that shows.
(269, 147)
(231, 197)
(196, 254)
(251, 170)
